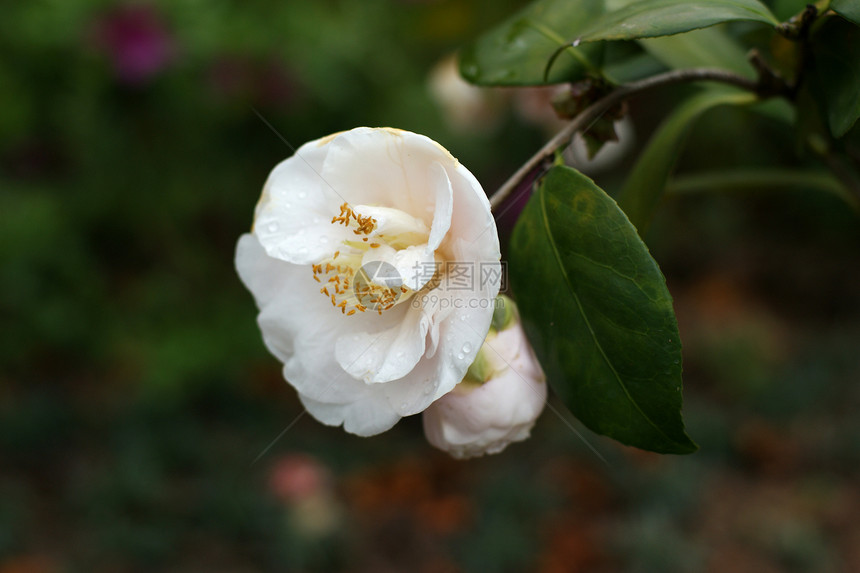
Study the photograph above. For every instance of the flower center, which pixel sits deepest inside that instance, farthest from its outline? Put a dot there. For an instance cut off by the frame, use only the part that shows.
(353, 286)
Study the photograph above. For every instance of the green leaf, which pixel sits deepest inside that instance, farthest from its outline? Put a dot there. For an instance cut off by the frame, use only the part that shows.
(705, 48)
(835, 73)
(713, 48)
(785, 9)
(645, 185)
(848, 9)
(597, 312)
(751, 179)
(516, 52)
(651, 18)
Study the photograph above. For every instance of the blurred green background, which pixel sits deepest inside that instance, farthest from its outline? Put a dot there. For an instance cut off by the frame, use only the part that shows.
(136, 397)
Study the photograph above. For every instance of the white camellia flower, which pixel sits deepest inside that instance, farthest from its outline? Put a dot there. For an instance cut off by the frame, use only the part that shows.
(499, 400)
(356, 262)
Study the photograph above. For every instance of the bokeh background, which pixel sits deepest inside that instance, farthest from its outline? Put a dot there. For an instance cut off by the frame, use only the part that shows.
(142, 422)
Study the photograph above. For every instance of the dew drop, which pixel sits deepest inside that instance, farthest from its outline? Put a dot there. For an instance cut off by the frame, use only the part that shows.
(400, 354)
(467, 347)
(302, 194)
(273, 227)
(464, 317)
(287, 205)
(461, 356)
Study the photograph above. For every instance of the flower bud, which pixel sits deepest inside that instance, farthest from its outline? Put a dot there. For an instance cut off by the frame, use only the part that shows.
(498, 401)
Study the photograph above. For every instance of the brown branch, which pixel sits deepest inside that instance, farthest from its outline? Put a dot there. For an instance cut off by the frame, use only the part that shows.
(593, 112)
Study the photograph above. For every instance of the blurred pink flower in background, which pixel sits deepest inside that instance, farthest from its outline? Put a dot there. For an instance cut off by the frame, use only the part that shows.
(297, 476)
(304, 484)
(137, 41)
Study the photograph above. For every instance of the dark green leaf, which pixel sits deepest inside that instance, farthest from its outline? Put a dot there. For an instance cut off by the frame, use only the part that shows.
(836, 73)
(645, 184)
(651, 18)
(516, 52)
(849, 9)
(597, 311)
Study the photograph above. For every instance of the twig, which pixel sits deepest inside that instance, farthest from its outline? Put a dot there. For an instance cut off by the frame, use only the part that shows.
(593, 112)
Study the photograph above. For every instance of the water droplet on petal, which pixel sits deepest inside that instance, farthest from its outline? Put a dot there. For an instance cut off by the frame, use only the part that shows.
(287, 205)
(461, 356)
(464, 317)
(400, 354)
(403, 405)
(467, 347)
(273, 227)
(302, 194)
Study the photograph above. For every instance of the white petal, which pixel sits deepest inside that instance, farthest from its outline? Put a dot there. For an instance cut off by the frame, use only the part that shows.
(414, 266)
(299, 325)
(444, 205)
(390, 222)
(293, 216)
(387, 167)
(472, 225)
(257, 270)
(365, 417)
(462, 320)
(301, 328)
(387, 355)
